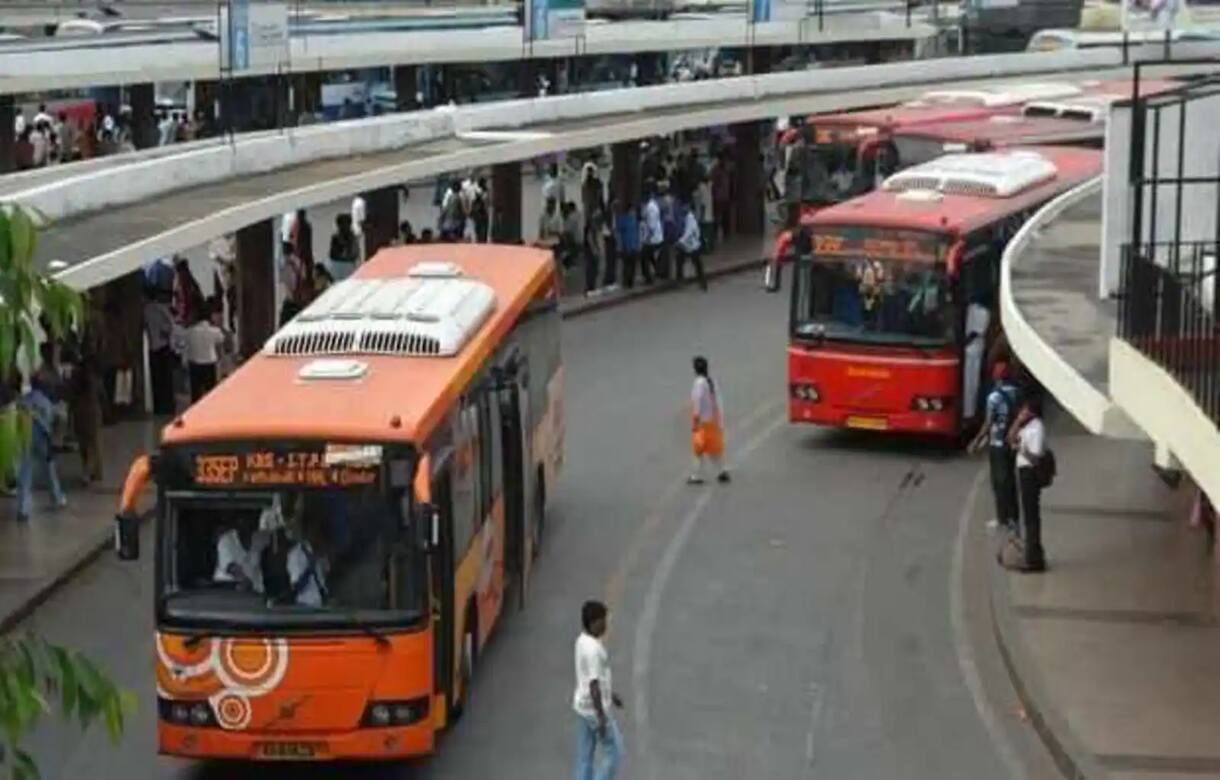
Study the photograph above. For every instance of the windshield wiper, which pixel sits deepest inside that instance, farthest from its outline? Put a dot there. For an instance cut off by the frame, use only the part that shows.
(350, 619)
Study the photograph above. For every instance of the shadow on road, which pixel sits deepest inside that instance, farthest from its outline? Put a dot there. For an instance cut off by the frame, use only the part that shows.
(933, 448)
(224, 770)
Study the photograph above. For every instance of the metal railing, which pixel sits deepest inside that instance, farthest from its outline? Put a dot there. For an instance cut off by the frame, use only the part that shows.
(1169, 298)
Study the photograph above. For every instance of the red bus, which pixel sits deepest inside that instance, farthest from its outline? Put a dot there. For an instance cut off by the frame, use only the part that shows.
(891, 285)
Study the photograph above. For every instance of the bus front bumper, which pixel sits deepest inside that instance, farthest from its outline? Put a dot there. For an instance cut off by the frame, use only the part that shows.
(943, 423)
(370, 744)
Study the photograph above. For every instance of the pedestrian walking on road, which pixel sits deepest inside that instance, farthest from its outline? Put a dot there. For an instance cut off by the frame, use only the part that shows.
(596, 726)
(707, 425)
(1035, 470)
(1001, 408)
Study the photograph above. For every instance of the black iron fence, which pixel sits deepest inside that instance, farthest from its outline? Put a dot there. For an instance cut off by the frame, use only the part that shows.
(1168, 304)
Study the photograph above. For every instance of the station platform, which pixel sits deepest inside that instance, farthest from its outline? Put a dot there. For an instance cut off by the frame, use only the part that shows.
(1112, 649)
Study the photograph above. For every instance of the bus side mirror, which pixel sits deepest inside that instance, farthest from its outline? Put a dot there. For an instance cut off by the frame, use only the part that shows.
(773, 276)
(127, 536)
(427, 526)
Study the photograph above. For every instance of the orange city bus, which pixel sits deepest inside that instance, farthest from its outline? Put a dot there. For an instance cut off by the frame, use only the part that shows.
(895, 292)
(342, 522)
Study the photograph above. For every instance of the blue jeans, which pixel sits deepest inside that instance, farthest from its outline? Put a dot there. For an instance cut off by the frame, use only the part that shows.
(38, 455)
(587, 742)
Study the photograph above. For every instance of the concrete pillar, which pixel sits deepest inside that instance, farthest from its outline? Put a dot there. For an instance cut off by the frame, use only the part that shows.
(506, 203)
(381, 224)
(406, 85)
(256, 314)
(748, 196)
(142, 99)
(8, 115)
(759, 60)
(625, 172)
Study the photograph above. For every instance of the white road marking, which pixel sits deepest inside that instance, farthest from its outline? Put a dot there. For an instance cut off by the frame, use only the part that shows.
(815, 715)
(641, 657)
(503, 135)
(961, 641)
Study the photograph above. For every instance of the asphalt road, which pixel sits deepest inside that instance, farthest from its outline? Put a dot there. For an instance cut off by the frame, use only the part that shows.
(796, 623)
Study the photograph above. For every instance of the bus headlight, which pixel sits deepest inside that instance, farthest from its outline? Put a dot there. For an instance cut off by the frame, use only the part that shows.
(930, 403)
(195, 713)
(379, 714)
(805, 392)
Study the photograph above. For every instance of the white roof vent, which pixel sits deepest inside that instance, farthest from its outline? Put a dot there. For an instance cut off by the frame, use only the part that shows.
(987, 175)
(1003, 95)
(1091, 108)
(434, 270)
(429, 314)
(333, 369)
(921, 196)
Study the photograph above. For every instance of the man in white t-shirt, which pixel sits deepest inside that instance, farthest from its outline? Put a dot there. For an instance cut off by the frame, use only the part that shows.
(1028, 438)
(238, 556)
(596, 726)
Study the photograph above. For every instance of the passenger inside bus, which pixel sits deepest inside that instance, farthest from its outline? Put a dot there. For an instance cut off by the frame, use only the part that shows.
(878, 299)
(305, 548)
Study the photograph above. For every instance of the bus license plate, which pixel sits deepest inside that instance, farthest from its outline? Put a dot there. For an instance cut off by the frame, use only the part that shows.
(868, 423)
(289, 751)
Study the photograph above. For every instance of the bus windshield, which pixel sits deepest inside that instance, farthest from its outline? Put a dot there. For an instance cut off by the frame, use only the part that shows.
(874, 286)
(287, 555)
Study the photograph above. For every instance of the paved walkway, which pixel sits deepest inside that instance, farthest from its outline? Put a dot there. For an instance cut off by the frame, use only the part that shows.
(37, 557)
(1115, 646)
(1055, 286)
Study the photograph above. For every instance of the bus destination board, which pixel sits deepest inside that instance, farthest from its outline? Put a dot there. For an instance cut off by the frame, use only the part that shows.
(334, 467)
(865, 243)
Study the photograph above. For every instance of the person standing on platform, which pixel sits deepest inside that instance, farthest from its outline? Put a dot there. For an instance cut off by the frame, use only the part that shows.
(159, 325)
(707, 425)
(689, 247)
(1034, 461)
(596, 727)
(480, 216)
(627, 241)
(652, 234)
(39, 403)
(344, 249)
(1001, 408)
(205, 342)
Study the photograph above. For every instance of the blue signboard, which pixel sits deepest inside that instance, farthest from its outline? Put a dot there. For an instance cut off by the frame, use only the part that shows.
(554, 19)
(239, 34)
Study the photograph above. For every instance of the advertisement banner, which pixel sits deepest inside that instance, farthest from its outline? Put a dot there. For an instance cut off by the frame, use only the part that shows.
(548, 19)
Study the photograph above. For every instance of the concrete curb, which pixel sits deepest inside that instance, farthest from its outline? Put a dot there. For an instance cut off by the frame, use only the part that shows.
(584, 306)
(1075, 762)
(104, 539)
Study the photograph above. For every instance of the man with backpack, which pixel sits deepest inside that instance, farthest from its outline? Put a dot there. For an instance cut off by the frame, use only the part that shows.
(1035, 471)
(1001, 407)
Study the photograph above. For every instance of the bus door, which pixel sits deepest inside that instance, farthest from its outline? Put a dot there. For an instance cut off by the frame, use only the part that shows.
(442, 573)
(513, 393)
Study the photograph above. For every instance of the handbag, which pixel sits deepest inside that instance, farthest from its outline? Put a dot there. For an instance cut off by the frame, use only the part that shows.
(1011, 554)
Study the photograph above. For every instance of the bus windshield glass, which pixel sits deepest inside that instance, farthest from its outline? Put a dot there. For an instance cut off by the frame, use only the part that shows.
(288, 544)
(877, 286)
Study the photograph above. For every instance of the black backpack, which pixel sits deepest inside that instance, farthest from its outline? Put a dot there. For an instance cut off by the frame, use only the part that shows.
(1046, 469)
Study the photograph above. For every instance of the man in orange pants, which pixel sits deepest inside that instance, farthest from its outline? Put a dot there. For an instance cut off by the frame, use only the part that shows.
(707, 425)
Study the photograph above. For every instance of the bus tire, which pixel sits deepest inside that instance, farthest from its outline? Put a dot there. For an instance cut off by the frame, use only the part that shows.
(539, 512)
(470, 649)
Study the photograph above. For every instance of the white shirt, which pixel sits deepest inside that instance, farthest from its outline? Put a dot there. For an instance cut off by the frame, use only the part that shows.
(654, 233)
(204, 343)
(39, 141)
(705, 403)
(229, 550)
(287, 224)
(1031, 439)
(358, 214)
(592, 663)
(690, 239)
(298, 564)
(553, 188)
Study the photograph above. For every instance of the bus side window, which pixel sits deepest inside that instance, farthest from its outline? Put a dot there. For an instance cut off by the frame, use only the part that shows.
(487, 455)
